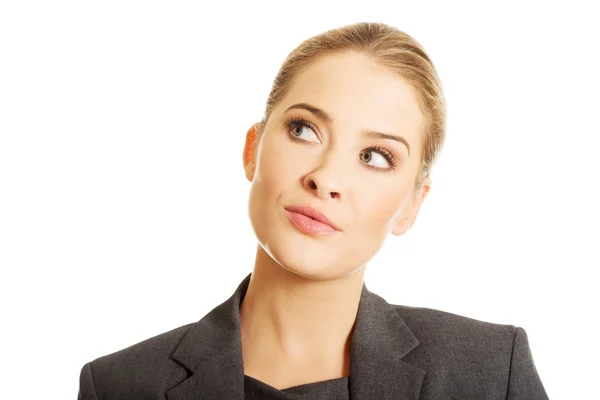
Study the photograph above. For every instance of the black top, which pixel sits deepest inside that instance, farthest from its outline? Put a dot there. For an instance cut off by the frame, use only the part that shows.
(332, 389)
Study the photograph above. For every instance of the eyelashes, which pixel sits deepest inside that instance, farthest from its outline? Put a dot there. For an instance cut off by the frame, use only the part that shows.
(385, 153)
(294, 122)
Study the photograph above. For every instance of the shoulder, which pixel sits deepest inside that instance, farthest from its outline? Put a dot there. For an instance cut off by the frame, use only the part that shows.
(144, 367)
(469, 356)
(445, 335)
(434, 325)
(152, 350)
(453, 347)
(462, 354)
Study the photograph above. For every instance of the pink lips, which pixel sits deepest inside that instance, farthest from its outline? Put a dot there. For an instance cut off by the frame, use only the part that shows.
(310, 221)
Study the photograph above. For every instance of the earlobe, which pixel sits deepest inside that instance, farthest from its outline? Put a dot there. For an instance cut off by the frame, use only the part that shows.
(401, 227)
(249, 156)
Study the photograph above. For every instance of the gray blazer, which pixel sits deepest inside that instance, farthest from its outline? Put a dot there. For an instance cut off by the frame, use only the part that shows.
(397, 352)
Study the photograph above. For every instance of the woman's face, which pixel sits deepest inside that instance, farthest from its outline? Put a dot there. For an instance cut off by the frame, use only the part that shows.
(323, 147)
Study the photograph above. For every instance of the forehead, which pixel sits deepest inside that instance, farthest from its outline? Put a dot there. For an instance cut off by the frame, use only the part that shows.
(358, 94)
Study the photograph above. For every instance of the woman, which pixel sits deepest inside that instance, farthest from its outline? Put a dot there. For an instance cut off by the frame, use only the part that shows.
(342, 158)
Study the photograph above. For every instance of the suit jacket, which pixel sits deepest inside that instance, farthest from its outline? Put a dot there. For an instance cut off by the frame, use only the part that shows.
(397, 352)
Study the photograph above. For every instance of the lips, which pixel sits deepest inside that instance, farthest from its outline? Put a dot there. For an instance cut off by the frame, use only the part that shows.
(313, 214)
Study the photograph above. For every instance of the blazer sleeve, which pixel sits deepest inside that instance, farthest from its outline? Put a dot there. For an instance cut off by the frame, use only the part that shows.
(524, 382)
(86, 384)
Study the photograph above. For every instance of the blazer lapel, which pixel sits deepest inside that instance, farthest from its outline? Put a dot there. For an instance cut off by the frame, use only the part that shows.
(380, 340)
(212, 352)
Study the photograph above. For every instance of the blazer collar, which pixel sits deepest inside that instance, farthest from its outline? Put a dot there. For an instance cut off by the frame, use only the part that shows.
(380, 340)
(212, 352)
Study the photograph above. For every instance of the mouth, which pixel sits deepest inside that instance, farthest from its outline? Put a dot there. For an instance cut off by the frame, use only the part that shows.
(311, 221)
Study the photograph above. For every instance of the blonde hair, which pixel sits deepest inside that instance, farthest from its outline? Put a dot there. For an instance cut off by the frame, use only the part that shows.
(390, 48)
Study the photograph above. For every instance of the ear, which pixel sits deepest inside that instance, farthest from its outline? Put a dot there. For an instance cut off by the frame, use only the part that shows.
(409, 216)
(249, 156)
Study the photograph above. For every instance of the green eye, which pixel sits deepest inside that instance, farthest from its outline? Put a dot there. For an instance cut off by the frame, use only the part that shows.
(298, 127)
(384, 160)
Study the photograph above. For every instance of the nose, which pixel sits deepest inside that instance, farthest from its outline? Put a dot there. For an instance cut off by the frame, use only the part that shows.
(324, 183)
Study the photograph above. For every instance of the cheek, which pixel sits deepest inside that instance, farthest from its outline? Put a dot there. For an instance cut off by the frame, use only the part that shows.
(278, 166)
(378, 207)
(274, 171)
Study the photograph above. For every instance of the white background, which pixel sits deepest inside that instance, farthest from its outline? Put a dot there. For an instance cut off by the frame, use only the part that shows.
(123, 203)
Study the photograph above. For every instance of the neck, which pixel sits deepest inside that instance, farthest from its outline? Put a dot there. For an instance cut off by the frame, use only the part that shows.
(292, 320)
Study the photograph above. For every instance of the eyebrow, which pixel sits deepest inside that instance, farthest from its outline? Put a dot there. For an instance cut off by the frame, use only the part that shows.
(323, 116)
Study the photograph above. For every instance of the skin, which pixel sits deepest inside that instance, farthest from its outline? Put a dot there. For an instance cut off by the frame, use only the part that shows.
(301, 304)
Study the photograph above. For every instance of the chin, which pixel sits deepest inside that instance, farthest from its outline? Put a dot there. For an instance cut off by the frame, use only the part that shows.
(309, 263)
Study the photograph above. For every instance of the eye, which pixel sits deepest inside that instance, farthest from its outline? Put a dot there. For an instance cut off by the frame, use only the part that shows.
(302, 130)
(378, 158)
